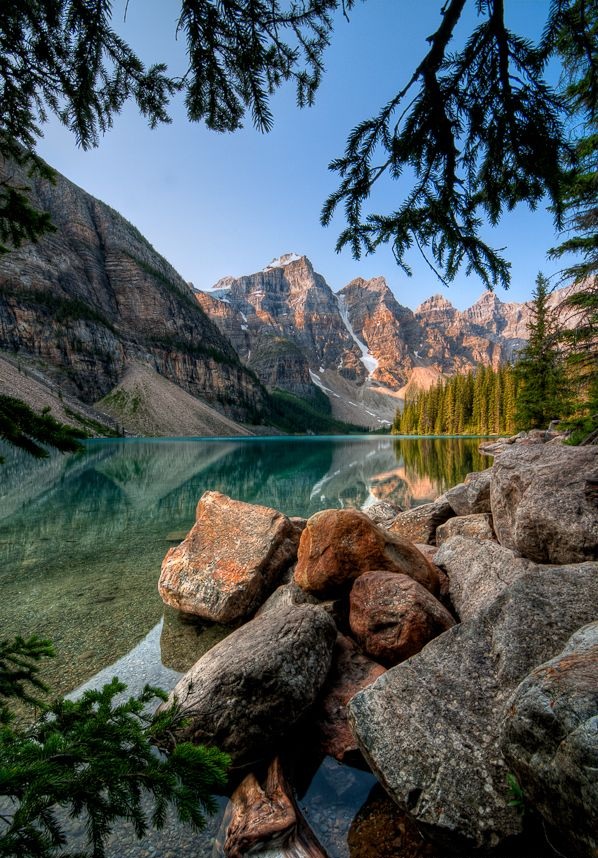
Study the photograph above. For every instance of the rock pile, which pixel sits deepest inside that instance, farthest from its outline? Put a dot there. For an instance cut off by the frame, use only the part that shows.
(473, 626)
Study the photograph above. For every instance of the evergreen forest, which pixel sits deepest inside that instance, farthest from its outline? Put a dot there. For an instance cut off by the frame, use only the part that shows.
(483, 402)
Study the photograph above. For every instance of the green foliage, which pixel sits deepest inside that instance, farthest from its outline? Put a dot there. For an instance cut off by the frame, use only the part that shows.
(21, 426)
(121, 401)
(19, 670)
(542, 391)
(577, 43)
(517, 797)
(62, 57)
(479, 403)
(94, 758)
(296, 415)
(479, 131)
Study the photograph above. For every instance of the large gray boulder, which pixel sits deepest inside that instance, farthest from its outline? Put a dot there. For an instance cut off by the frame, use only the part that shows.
(230, 560)
(249, 690)
(382, 513)
(550, 742)
(472, 495)
(544, 501)
(477, 526)
(478, 572)
(419, 523)
(430, 727)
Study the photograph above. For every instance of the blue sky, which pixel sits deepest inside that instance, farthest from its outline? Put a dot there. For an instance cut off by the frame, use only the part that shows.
(217, 204)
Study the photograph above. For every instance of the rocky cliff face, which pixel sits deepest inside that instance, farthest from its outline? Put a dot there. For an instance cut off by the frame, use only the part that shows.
(283, 321)
(86, 301)
(288, 325)
(436, 336)
(389, 330)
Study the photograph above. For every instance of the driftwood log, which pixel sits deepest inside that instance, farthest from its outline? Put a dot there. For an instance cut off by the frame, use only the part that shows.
(264, 818)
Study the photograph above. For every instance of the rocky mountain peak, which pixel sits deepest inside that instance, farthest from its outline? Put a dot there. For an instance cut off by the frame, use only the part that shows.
(435, 303)
(287, 259)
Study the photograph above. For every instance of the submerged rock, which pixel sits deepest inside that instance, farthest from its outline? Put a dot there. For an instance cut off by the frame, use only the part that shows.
(544, 502)
(430, 727)
(550, 742)
(338, 546)
(381, 830)
(249, 690)
(393, 617)
(185, 638)
(229, 561)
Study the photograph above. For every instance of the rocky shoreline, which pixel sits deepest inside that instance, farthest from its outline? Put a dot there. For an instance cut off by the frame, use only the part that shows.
(451, 648)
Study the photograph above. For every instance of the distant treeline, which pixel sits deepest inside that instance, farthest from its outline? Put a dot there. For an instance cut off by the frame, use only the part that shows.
(479, 403)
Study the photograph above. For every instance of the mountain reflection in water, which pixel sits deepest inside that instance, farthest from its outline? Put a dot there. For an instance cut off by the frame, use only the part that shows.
(82, 536)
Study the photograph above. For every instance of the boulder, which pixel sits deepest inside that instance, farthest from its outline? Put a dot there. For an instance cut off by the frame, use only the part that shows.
(229, 561)
(264, 820)
(477, 526)
(478, 572)
(338, 545)
(351, 672)
(429, 552)
(430, 727)
(249, 690)
(383, 513)
(544, 502)
(393, 617)
(472, 495)
(525, 439)
(293, 594)
(419, 523)
(550, 742)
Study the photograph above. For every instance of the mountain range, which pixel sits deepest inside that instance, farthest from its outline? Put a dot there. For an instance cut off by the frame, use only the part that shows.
(97, 325)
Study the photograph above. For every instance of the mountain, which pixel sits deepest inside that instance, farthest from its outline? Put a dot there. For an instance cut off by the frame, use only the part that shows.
(99, 327)
(360, 346)
(91, 300)
(288, 326)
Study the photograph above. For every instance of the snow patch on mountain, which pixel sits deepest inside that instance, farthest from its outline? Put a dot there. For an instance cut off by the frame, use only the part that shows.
(283, 260)
(367, 359)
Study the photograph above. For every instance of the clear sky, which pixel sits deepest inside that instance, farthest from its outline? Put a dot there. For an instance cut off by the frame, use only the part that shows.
(217, 204)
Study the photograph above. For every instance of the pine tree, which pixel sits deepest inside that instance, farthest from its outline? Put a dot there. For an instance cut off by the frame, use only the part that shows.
(577, 43)
(95, 758)
(539, 369)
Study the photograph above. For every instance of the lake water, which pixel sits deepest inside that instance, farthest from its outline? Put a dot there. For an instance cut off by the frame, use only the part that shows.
(82, 538)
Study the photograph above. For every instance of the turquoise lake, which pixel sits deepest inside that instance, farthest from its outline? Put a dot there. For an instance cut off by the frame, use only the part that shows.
(82, 538)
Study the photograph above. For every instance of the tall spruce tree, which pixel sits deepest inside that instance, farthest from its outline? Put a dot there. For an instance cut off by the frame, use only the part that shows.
(539, 369)
(577, 44)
